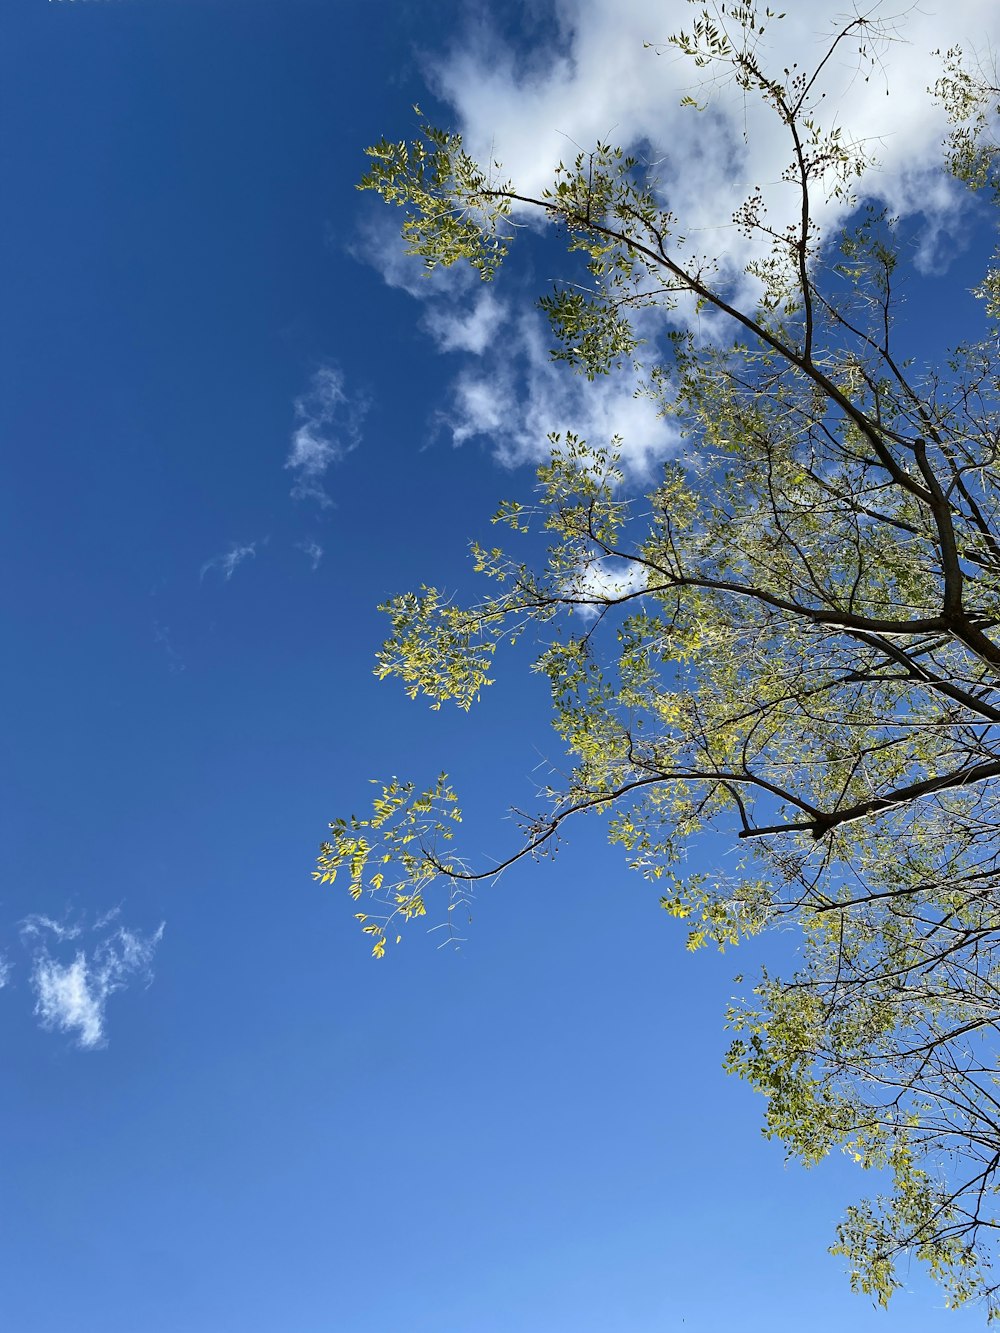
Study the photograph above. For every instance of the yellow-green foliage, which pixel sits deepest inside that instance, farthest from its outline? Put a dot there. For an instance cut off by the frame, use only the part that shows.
(805, 653)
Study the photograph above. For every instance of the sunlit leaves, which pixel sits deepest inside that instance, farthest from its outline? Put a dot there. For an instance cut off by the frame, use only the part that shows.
(407, 830)
(454, 210)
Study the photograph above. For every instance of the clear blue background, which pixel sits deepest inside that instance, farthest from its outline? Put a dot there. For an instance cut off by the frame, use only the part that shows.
(531, 1134)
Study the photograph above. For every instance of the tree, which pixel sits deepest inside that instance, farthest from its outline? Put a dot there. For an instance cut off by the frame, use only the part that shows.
(795, 637)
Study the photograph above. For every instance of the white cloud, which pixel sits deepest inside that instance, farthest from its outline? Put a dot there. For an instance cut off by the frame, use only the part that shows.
(228, 563)
(606, 578)
(67, 1001)
(610, 577)
(522, 397)
(596, 80)
(600, 83)
(470, 330)
(328, 429)
(40, 926)
(72, 996)
(313, 550)
(5, 970)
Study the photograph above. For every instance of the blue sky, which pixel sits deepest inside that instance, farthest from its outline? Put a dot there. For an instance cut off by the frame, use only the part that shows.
(235, 421)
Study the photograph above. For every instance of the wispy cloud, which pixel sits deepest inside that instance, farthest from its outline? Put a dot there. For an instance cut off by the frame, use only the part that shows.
(162, 637)
(522, 397)
(71, 995)
(377, 243)
(313, 550)
(228, 563)
(329, 427)
(471, 329)
(68, 999)
(38, 926)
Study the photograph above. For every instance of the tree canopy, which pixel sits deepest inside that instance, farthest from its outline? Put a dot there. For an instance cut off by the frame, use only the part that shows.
(794, 638)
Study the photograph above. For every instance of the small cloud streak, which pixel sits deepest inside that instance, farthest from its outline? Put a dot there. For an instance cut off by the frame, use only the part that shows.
(161, 636)
(72, 996)
(329, 427)
(229, 563)
(39, 926)
(313, 550)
